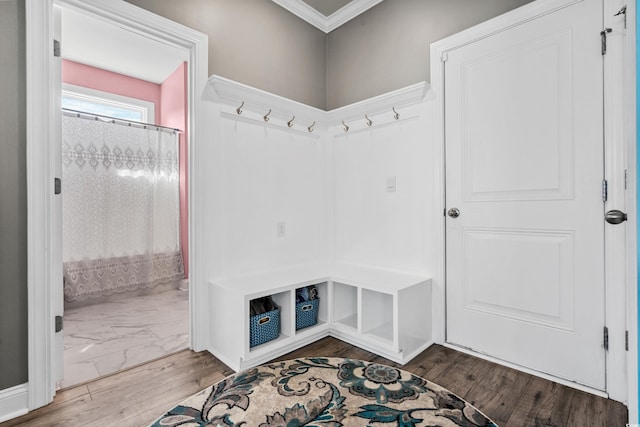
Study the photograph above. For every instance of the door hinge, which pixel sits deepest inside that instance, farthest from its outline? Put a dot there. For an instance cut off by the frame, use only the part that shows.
(605, 340)
(56, 48)
(444, 57)
(626, 340)
(603, 40)
(605, 190)
(58, 323)
(57, 186)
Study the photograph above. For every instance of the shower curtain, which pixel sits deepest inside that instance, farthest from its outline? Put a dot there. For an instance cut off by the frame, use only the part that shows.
(121, 214)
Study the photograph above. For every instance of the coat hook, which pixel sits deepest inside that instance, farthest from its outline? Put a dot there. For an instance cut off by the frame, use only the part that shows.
(623, 11)
(346, 128)
(266, 116)
(310, 128)
(369, 122)
(290, 122)
(239, 109)
(396, 115)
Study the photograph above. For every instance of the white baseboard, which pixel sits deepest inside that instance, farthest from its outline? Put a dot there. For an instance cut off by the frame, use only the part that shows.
(14, 402)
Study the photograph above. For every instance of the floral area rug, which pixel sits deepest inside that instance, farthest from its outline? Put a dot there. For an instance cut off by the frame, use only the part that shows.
(324, 392)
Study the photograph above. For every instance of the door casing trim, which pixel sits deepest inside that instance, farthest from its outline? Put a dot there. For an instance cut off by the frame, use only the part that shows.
(40, 112)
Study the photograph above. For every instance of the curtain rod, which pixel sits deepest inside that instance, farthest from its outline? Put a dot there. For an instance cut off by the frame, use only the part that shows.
(124, 122)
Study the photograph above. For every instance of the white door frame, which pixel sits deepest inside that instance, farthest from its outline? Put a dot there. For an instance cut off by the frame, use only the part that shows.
(618, 386)
(40, 121)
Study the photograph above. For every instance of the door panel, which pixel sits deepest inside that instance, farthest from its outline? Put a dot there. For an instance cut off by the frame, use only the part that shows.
(524, 165)
(508, 94)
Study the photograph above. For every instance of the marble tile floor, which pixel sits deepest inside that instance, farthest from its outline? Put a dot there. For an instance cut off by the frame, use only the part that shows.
(105, 338)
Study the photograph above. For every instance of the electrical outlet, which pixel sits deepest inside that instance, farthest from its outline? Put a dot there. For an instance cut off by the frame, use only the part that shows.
(281, 229)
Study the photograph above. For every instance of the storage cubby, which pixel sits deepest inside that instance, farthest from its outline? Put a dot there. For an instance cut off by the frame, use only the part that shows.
(385, 312)
(264, 321)
(377, 314)
(322, 301)
(345, 305)
(283, 300)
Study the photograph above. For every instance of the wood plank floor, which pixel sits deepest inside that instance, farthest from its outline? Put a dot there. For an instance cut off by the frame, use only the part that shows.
(137, 396)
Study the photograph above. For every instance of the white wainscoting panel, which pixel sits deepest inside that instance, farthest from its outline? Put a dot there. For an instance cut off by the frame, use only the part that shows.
(383, 190)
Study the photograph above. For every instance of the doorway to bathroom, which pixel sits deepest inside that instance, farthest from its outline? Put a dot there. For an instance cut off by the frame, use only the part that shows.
(124, 197)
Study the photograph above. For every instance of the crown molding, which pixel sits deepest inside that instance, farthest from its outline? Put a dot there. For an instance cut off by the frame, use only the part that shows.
(327, 24)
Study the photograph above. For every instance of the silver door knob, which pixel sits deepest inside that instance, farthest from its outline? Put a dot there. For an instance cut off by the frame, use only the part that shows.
(615, 217)
(453, 212)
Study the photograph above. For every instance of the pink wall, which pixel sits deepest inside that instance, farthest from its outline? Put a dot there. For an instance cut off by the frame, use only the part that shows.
(170, 100)
(173, 113)
(95, 78)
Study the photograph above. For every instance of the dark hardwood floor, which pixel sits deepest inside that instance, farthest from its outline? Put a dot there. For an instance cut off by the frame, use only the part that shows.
(137, 396)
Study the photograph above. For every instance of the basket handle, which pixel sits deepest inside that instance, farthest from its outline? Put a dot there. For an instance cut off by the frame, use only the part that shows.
(264, 320)
(307, 307)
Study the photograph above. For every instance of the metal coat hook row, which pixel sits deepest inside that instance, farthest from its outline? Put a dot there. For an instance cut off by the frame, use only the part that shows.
(239, 109)
(369, 121)
(290, 122)
(310, 128)
(345, 127)
(396, 115)
(266, 116)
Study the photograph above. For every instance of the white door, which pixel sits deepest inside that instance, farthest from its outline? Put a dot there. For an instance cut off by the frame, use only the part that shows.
(524, 167)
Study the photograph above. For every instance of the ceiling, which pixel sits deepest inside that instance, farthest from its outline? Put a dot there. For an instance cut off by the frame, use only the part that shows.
(327, 15)
(327, 7)
(103, 45)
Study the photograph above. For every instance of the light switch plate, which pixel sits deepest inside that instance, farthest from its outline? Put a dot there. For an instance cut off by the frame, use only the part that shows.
(391, 184)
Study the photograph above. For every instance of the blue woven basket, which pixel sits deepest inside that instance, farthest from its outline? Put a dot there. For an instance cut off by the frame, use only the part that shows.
(264, 327)
(306, 313)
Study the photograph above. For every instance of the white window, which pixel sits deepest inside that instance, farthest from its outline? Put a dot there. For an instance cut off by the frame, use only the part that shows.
(93, 101)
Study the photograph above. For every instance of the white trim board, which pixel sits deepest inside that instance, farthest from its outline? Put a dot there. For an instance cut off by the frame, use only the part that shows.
(327, 23)
(14, 402)
(618, 387)
(39, 17)
(256, 103)
(630, 131)
(40, 113)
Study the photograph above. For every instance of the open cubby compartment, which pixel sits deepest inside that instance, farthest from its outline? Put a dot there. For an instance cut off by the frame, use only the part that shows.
(345, 305)
(377, 314)
(414, 317)
(287, 322)
(323, 303)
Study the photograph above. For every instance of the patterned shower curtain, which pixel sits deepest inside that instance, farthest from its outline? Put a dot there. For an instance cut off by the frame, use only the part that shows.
(121, 214)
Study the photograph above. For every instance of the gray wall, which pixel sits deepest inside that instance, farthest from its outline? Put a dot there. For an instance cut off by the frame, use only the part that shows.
(387, 47)
(255, 42)
(13, 197)
(259, 43)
